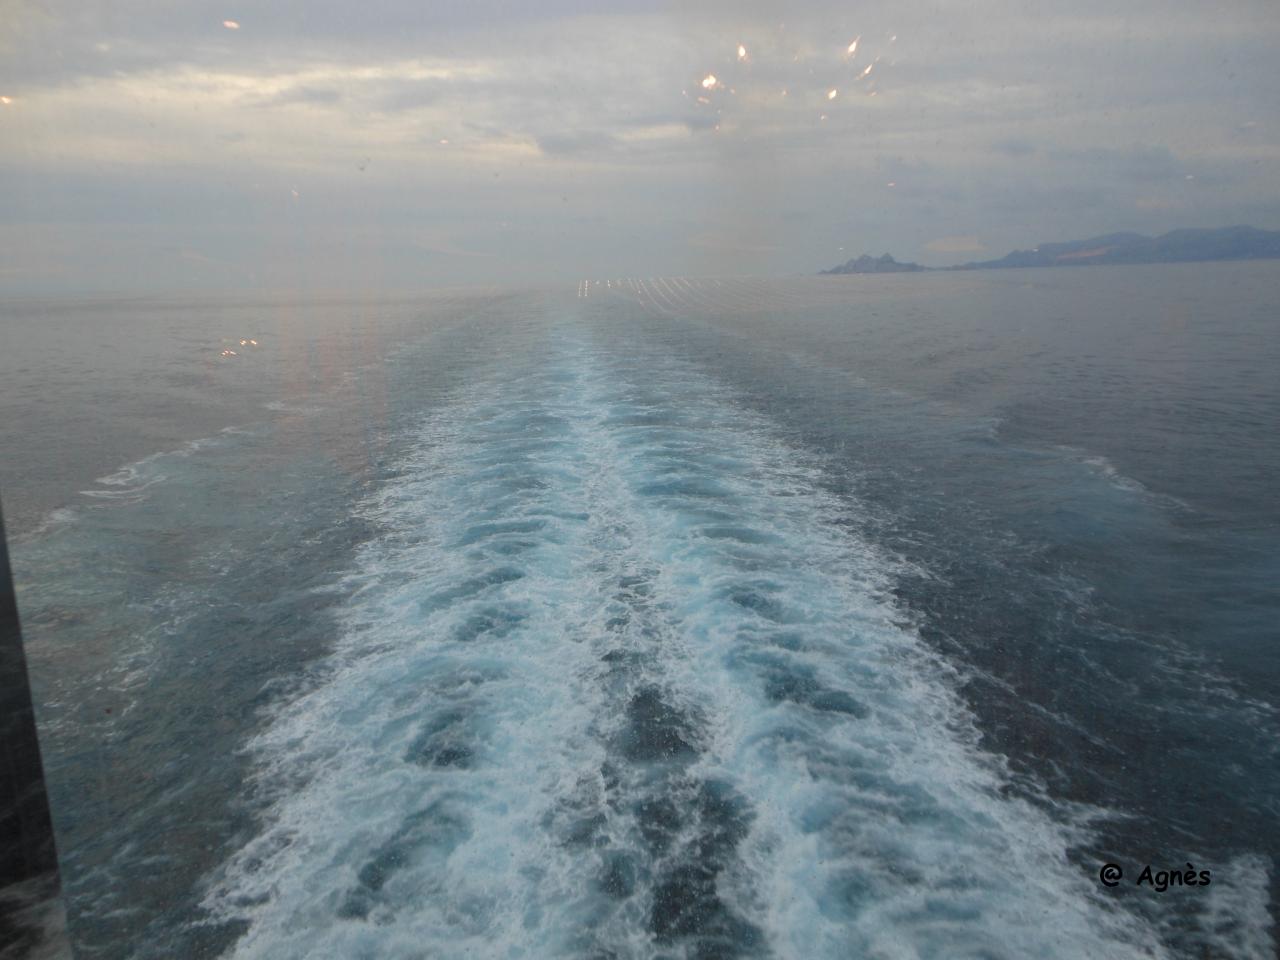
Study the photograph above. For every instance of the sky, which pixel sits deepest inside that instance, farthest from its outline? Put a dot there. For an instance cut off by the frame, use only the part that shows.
(194, 146)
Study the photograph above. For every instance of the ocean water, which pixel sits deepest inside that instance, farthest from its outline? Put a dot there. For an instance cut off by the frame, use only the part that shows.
(662, 617)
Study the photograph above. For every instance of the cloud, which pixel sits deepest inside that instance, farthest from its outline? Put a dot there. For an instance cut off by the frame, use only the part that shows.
(1137, 162)
(574, 143)
(564, 137)
(1014, 147)
(306, 95)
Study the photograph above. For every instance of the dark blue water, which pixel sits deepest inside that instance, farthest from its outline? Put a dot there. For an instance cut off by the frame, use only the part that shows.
(821, 618)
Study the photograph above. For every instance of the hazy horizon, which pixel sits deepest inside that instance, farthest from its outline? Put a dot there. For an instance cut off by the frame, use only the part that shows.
(162, 149)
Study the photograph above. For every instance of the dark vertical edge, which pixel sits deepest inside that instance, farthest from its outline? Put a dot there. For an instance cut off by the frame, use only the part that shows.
(32, 920)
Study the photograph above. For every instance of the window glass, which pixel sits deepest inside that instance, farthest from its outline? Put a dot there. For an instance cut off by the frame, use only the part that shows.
(566, 479)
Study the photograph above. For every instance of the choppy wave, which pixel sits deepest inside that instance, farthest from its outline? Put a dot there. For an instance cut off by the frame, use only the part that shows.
(129, 483)
(620, 678)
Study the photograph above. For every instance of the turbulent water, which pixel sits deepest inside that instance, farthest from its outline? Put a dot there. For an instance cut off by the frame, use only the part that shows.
(675, 618)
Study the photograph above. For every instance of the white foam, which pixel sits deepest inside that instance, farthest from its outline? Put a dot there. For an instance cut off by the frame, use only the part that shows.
(129, 483)
(278, 406)
(1236, 920)
(1108, 470)
(1103, 467)
(127, 492)
(483, 637)
(54, 520)
(479, 872)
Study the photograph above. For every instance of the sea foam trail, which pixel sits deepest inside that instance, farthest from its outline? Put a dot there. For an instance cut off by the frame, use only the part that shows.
(619, 679)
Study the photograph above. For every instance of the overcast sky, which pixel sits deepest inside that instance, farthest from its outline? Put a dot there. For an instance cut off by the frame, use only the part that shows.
(316, 145)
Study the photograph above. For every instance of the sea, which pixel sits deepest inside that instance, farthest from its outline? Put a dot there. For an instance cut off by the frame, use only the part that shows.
(659, 617)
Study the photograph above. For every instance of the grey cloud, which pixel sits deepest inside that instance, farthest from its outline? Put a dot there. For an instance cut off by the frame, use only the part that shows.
(408, 96)
(567, 144)
(577, 144)
(1135, 163)
(1014, 147)
(699, 121)
(306, 95)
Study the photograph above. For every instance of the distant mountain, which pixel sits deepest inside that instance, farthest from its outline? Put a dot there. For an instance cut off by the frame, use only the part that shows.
(1177, 246)
(869, 264)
